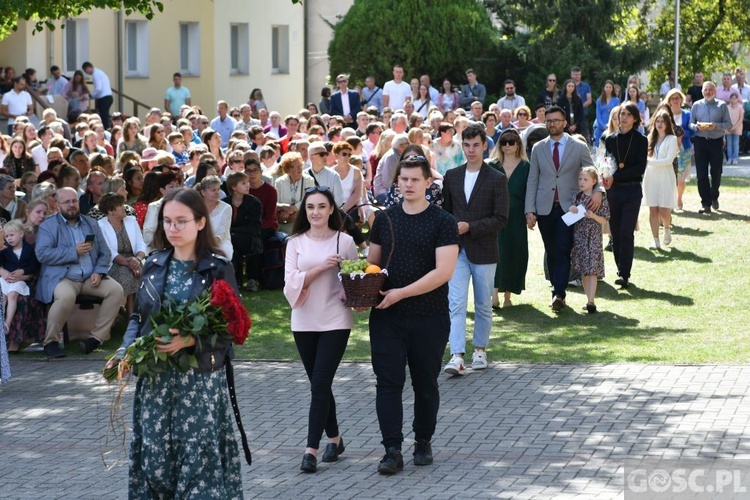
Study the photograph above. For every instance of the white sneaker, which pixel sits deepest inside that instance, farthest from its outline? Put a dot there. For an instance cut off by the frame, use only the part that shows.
(655, 245)
(479, 360)
(667, 237)
(455, 366)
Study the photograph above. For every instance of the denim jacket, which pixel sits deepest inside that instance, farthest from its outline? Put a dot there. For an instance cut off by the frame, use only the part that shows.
(149, 296)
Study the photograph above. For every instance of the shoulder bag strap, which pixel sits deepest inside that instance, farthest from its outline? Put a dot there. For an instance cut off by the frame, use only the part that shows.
(235, 408)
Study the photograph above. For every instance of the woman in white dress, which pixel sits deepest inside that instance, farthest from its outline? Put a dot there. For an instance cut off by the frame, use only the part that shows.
(659, 182)
(221, 213)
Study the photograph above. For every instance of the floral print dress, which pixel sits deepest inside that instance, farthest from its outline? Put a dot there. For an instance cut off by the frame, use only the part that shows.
(587, 255)
(183, 439)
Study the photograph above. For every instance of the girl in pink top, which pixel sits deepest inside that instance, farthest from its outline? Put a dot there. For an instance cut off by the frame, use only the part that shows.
(320, 322)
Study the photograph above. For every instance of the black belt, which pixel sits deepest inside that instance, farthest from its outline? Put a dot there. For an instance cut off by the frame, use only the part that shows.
(629, 183)
(709, 138)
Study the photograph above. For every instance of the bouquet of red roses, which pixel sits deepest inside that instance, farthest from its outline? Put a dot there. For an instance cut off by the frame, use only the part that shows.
(216, 313)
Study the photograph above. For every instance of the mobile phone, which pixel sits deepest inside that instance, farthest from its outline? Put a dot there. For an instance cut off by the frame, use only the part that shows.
(89, 238)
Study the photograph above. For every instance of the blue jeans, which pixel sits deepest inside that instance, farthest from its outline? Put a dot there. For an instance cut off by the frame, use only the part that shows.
(483, 278)
(733, 146)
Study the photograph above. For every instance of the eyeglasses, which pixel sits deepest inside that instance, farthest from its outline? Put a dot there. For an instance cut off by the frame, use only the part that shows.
(507, 142)
(236, 115)
(345, 154)
(316, 189)
(523, 114)
(68, 202)
(204, 123)
(176, 224)
(342, 81)
(551, 80)
(252, 170)
(553, 121)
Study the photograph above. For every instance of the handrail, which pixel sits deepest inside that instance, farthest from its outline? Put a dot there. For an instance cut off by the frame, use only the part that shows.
(136, 103)
(41, 101)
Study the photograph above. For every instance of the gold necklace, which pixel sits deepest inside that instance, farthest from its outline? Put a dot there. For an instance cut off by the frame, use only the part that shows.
(622, 160)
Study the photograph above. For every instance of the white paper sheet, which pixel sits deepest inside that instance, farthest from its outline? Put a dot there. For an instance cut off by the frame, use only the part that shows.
(570, 218)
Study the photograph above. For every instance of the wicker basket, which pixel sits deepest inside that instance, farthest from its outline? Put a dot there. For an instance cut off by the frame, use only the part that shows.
(363, 290)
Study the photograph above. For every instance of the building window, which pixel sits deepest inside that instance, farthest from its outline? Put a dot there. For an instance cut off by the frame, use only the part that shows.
(75, 44)
(190, 49)
(239, 39)
(136, 48)
(280, 49)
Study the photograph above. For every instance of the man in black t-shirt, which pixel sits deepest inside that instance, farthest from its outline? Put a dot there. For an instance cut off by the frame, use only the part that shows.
(696, 90)
(412, 322)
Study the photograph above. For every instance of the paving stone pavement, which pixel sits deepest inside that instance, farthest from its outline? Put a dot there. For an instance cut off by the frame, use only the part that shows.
(512, 431)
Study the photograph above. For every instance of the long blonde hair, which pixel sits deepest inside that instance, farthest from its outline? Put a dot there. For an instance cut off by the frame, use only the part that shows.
(497, 153)
(384, 143)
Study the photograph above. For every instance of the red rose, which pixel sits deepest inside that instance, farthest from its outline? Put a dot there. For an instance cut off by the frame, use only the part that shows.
(221, 293)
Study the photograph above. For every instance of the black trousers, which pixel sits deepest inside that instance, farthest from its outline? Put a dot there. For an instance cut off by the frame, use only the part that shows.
(558, 241)
(709, 154)
(321, 353)
(102, 108)
(624, 205)
(395, 341)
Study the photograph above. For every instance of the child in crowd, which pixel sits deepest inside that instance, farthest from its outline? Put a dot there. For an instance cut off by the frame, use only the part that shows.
(587, 255)
(177, 143)
(19, 265)
(736, 114)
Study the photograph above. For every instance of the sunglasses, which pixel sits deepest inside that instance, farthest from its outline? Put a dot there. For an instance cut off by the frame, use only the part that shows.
(507, 142)
(415, 158)
(316, 189)
(345, 154)
(320, 154)
(551, 80)
(523, 114)
(235, 162)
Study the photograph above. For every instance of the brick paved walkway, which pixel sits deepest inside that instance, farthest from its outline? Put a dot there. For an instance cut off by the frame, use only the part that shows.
(520, 431)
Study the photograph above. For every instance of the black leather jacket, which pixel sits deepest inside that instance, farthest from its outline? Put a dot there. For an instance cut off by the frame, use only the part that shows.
(148, 301)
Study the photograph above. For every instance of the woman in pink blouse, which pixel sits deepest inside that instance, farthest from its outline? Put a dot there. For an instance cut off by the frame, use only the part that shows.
(320, 322)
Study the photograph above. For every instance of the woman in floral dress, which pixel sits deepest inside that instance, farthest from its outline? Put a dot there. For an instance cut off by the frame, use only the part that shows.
(183, 439)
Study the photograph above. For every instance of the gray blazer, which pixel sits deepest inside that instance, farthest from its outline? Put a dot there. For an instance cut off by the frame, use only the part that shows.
(543, 179)
(56, 252)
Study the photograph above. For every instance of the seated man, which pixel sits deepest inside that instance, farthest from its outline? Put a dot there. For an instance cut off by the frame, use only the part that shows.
(73, 264)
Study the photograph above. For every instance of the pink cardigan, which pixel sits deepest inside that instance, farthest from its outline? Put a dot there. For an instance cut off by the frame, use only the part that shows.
(317, 307)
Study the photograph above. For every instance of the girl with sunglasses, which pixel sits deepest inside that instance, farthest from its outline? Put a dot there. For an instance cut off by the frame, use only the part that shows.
(509, 158)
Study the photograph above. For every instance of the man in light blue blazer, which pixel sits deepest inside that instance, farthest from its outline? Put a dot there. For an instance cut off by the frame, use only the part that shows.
(347, 107)
(74, 260)
(553, 183)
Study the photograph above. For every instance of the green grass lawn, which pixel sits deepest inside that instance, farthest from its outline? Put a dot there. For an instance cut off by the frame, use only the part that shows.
(686, 304)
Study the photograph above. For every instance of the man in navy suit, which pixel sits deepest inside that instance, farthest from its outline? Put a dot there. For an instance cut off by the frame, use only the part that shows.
(348, 108)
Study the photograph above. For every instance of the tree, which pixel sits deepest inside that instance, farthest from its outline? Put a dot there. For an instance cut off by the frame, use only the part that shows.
(711, 32)
(608, 39)
(44, 12)
(436, 37)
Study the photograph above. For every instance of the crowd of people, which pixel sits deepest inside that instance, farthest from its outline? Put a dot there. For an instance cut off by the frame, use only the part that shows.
(277, 202)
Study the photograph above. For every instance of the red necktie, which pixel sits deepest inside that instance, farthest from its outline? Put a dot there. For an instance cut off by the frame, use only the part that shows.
(556, 161)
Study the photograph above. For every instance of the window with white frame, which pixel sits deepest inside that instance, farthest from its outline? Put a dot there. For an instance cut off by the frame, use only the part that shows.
(239, 53)
(279, 49)
(190, 49)
(136, 48)
(75, 44)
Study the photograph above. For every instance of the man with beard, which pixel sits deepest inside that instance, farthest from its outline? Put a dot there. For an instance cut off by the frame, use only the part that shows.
(74, 260)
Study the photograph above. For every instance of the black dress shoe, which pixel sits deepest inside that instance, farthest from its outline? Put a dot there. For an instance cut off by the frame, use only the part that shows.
(392, 462)
(558, 303)
(622, 282)
(89, 345)
(309, 463)
(422, 453)
(715, 205)
(53, 351)
(705, 210)
(333, 451)
(591, 308)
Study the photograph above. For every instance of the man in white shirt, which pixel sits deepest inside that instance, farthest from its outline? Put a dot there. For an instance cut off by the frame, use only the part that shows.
(102, 92)
(56, 82)
(511, 100)
(741, 85)
(246, 118)
(668, 85)
(396, 91)
(16, 102)
(39, 153)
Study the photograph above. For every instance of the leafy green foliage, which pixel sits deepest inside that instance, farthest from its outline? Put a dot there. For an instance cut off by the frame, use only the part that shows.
(439, 38)
(712, 33)
(606, 39)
